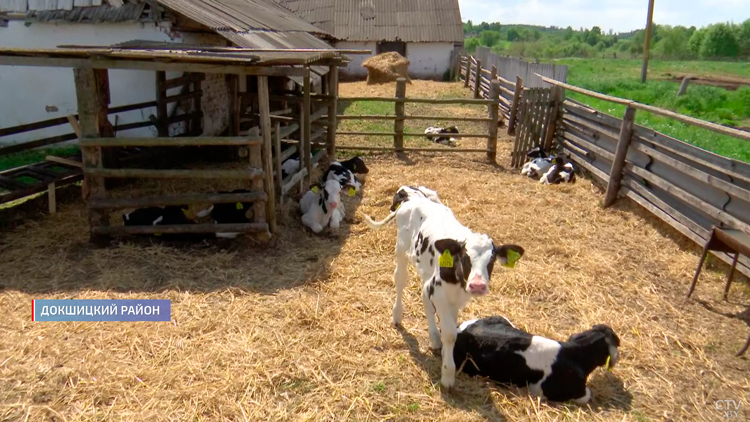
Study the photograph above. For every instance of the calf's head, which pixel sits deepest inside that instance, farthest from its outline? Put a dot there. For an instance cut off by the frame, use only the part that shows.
(600, 343)
(473, 261)
(330, 196)
(356, 165)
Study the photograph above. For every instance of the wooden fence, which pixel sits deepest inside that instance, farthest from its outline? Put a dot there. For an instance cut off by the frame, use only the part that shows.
(687, 187)
(400, 117)
(511, 68)
(56, 172)
(531, 113)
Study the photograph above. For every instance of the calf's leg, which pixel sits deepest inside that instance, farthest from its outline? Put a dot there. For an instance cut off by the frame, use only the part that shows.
(429, 311)
(311, 222)
(448, 334)
(401, 278)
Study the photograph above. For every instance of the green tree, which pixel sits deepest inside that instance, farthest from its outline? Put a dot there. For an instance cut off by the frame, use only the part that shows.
(489, 38)
(674, 43)
(512, 34)
(696, 42)
(720, 42)
(471, 44)
(594, 36)
(743, 38)
(568, 34)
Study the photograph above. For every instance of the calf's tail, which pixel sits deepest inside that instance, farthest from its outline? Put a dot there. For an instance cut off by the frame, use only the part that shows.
(376, 225)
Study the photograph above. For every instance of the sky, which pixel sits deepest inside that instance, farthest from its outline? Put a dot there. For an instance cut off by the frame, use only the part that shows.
(618, 15)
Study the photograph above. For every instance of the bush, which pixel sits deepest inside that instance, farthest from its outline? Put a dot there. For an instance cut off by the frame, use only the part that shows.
(720, 42)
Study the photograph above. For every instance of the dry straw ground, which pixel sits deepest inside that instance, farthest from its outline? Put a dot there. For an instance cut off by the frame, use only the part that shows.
(300, 330)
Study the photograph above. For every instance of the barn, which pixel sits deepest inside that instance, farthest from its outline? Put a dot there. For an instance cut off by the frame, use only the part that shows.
(425, 31)
(49, 93)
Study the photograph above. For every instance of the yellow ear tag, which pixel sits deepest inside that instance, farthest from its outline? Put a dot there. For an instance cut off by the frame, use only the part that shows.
(315, 189)
(354, 166)
(352, 191)
(606, 365)
(157, 234)
(239, 206)
(512, 257)
(446, 260)
(397, 206)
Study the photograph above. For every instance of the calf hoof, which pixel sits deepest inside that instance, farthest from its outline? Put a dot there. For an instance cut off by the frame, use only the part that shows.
(448, 384)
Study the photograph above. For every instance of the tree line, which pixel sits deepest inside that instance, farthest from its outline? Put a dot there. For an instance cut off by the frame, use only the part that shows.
(720, 41)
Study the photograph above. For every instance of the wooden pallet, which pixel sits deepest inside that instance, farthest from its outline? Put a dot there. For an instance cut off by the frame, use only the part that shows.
(31, 179)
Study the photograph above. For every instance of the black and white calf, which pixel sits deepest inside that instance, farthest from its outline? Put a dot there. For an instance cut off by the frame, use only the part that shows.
(539, 164)
(432, 131)
(404, 193)
(559, 172)
(344, 173)
(454, 264)
(291, 165)
(557, 371)
(231, 213)
(319, 207)
(144, 217)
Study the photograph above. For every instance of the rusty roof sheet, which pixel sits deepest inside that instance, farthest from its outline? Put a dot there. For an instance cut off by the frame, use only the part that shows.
(383, 20)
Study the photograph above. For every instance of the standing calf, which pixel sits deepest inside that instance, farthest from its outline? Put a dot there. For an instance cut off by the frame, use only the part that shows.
(454, 264)
(557, 371)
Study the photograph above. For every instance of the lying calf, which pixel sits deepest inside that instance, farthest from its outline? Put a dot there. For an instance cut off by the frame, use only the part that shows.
(559, 172)
(557, 371)
(291, 165)
(446, 140)
(228, 213)
(404, 193)
(318, 208)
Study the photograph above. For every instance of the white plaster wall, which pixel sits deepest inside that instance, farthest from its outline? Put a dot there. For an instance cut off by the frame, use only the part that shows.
(26, 92)
(427, 60)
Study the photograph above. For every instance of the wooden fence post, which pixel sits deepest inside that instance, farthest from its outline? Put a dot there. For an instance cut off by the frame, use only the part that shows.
(514, 106)
(161, 105)
(493, 73)
(88, 104)
(333, 91)
(398, 124)
(306, 129)
(493, 114)
(457, 71)
(265, 130)
(554, 114)
(615, 175)
(478, 79)
(468, 71)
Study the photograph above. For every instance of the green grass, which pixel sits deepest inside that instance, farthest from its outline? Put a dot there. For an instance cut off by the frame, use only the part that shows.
(34, 156)
(621, 78)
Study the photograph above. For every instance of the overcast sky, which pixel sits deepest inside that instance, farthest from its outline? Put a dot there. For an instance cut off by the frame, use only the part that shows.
(618, 15)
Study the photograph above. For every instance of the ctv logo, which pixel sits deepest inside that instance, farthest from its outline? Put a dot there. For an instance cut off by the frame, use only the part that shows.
(728, 408)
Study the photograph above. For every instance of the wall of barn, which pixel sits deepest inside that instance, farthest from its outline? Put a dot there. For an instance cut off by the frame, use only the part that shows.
(30, 94)
(427, 60)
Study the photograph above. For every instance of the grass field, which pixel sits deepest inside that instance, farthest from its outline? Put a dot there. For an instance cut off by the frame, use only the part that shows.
(621, 78)
(300, 329)
(35, 156)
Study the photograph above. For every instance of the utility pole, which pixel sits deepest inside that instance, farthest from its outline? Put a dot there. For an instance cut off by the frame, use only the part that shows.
(647, 47)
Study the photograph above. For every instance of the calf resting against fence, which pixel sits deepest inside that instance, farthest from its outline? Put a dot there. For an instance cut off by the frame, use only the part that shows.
(453, 262)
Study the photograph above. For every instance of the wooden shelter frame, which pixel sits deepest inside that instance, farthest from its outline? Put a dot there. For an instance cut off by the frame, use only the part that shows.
(91, 75)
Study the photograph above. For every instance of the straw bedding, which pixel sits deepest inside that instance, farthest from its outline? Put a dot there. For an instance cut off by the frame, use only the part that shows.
(300, 329)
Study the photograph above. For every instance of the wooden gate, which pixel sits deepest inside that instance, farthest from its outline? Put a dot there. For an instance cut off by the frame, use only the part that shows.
(537, 113)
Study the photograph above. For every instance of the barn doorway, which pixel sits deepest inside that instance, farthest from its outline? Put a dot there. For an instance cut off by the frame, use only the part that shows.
(388, 46)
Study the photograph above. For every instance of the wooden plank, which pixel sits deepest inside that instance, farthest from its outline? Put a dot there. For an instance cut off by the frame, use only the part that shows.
(717, 162)
(466, 75)
(320, 113)
(251, 174)
(408, 117)
(148, 64)
(88, 108)
(183, 97)
(169, 142)
(585, 91)
(51, 198)
(10, 149)
(288, 153)
(278, 158)
(471, 101)
(186, 228)
(463, 135)
(265, 129)
(74, 124)
(406, 149)
(292, 181)
(162, 201)
(693, 172)
(161, 105)
(623, 143)
(398, 124)
(494, 120)
(514, 106)
(65, 161)
(306, 128)
(586, 143)
(604, 177)
(688, 198)
(477, 78)
(333, 91)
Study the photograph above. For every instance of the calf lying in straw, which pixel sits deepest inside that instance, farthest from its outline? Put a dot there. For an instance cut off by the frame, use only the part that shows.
(557, 371)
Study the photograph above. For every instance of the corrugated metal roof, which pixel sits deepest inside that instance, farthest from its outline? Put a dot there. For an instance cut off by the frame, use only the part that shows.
(383, 20)
(129, 12)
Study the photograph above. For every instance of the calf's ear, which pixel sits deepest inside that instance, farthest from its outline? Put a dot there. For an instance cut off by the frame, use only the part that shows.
(509, 254)
(453, 246)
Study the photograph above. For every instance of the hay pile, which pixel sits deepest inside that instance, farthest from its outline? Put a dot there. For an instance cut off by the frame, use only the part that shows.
(386, 67)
